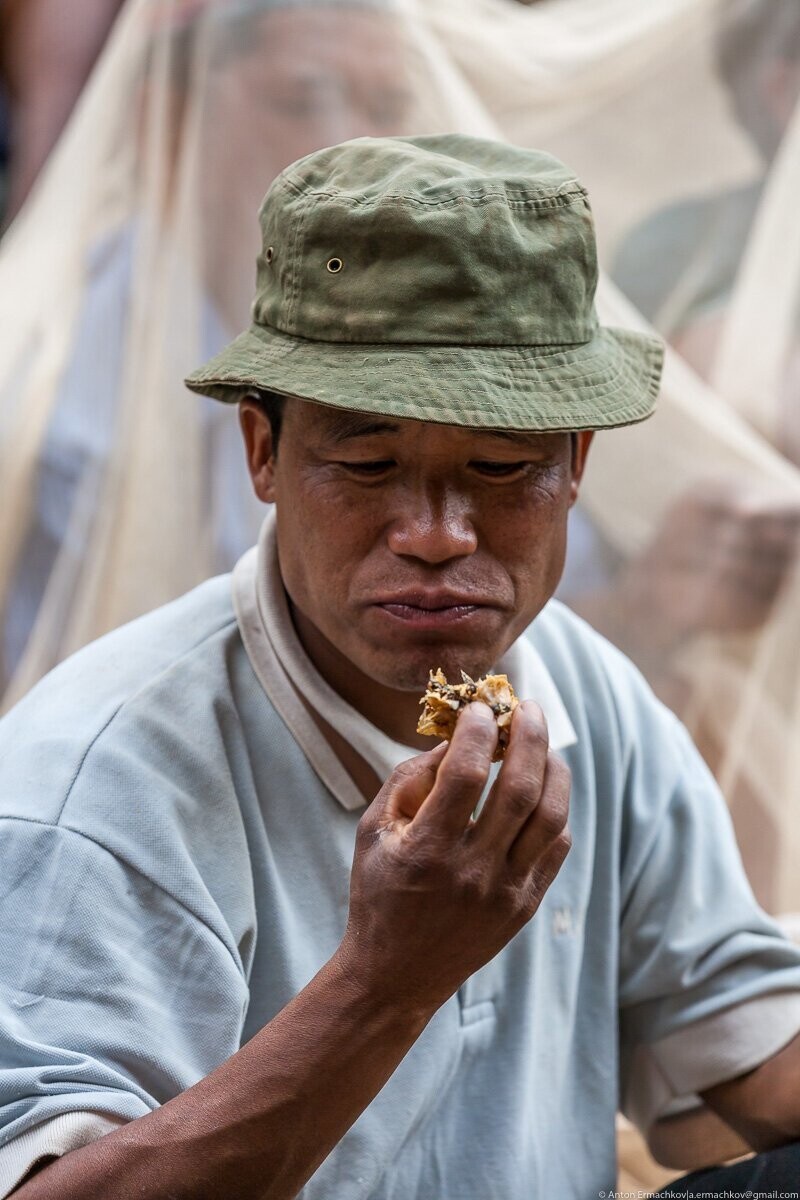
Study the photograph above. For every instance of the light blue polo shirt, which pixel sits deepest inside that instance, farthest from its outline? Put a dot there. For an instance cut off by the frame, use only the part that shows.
(174, 872)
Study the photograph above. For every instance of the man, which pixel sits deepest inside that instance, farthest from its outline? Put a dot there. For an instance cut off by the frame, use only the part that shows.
(200, 998)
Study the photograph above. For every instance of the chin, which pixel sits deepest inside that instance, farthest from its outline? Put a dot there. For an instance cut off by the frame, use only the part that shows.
(406, 670)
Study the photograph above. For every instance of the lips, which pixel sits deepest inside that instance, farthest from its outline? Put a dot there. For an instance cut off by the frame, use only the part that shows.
(432, 610)
(433, 601)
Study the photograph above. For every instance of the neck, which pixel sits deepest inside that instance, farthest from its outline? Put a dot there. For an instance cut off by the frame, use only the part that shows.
(394, 712)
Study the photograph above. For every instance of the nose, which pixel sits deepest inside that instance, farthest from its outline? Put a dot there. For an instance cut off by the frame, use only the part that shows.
(338, 114)
(434, 528)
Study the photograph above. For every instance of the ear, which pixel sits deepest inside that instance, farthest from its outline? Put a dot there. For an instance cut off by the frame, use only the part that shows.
(257, 434)
(581, 441)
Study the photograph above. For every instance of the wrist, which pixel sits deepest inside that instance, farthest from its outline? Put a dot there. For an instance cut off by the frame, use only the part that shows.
(371, 991)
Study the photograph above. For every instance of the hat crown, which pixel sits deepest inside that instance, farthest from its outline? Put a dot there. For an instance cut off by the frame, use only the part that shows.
(445, 239)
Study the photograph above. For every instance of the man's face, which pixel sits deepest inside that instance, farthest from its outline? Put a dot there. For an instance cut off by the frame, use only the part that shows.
(284, 82)
(409, 545)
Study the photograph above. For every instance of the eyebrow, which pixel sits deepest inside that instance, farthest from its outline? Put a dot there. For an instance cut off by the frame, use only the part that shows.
(354, 426)
(521, 436)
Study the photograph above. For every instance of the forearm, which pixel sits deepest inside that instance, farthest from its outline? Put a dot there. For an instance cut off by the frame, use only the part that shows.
(693, 1140)
(764, 1104)
(260, 1125)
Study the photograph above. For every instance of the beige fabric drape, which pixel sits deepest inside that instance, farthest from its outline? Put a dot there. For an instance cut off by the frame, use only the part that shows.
(133, 261)
(683, 120)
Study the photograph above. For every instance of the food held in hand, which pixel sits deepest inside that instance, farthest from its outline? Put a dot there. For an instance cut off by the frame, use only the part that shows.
(444, 702)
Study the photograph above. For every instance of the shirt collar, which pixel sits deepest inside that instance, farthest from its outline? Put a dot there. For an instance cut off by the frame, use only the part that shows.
(289, 678)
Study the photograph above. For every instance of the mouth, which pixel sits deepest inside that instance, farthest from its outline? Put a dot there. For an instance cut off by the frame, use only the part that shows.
(431, 611)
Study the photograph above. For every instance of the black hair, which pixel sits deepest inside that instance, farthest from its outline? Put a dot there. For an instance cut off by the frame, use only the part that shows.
(273, 406)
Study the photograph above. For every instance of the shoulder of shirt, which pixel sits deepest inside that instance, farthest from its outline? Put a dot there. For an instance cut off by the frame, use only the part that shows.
(45, 738)
(624, 734)
(602, 690)
(563, 638)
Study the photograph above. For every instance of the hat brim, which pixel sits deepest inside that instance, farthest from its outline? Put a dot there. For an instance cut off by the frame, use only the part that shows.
(609, 381)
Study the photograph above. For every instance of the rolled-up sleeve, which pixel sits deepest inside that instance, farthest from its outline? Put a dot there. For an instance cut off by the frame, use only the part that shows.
(50, 1140)
(114, 997)
(709, 984)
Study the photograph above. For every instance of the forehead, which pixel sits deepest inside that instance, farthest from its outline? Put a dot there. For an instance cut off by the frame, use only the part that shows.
(335, 426)
(355, 42)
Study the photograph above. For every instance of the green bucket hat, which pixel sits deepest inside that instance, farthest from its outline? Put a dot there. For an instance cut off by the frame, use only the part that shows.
(443, 278)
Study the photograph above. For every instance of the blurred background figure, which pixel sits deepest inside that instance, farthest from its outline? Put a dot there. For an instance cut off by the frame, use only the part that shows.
(694, 249)
(702, 589)
(146, 231)
(47, 50)
(134, 260)
(682, 119)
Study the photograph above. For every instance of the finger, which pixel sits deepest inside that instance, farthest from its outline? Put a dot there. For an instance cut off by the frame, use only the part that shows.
(546, 826)
(518, 787)
(547, 867)
(410, 782)
(463, 772)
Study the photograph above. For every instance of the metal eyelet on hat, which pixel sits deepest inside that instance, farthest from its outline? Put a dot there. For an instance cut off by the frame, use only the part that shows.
(269, 254)
(334, 265)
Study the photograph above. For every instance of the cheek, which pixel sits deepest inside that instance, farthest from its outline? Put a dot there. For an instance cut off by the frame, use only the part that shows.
(324, 534)
(527, 532)
(534, 510)
(336, 514)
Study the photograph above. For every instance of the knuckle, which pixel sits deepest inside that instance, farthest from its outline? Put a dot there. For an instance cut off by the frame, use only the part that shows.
(467, 776)
(520, 796)
(551, 824)
(421, 857)
(531, 896)
(552, 819)
(407, 769)
(474, 886)
(558, 786)
(367, 826)
(515, 895)
(564, 841)
(548, 867)
(558, 769)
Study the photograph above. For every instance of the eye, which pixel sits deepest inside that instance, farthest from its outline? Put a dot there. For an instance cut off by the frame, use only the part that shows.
(299, 104)
(368, 469)
(498, 470)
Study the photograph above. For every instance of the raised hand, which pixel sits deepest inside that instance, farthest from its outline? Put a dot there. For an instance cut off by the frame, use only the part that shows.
(436, 894)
